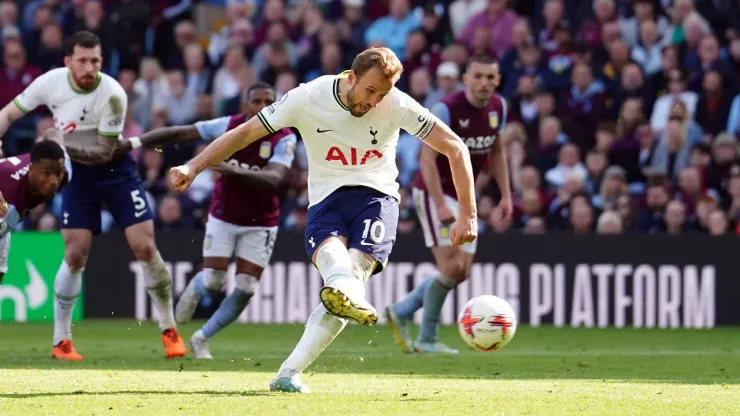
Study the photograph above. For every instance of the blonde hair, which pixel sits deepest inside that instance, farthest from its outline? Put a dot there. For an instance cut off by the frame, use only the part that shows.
(381, 58)
(605, 218)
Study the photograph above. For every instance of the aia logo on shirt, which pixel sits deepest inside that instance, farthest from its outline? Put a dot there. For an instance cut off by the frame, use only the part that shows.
(351, 157)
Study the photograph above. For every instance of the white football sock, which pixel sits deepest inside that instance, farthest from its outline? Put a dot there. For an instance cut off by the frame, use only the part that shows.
(67, 286)
(335, 265)
(321, 329)
(159, 286)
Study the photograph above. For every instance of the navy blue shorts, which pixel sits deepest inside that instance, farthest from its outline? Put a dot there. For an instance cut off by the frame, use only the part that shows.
(115, 186)
(366, 217)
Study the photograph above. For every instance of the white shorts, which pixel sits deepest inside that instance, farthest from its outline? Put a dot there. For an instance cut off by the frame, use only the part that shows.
(437, 234)
(4, 251)
(253, 244)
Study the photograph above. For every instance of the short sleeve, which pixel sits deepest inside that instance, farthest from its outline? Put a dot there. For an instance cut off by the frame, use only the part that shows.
(285, 112)
(413, 117)
(284, 152)
(114, 114)
(211, 130)
(33, 95)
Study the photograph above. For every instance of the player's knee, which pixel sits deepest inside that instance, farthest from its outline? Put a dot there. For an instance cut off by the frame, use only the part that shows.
(455, 270)
(214, 279)
(362, 266)
(76, 257)
(144, 250)
(246, 283)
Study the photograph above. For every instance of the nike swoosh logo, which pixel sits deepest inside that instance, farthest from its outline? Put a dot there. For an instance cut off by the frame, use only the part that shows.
(318, 130)
(362, 242)
(139, 214)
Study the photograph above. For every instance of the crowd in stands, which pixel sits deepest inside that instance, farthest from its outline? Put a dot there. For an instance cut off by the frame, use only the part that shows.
(622, 118)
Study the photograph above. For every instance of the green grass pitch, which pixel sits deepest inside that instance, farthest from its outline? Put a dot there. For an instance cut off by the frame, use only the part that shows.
(543, 371)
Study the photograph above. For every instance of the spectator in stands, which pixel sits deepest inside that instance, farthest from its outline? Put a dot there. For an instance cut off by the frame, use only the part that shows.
(529, 63)
(590, 32)
(94, 20)
(675, 218)
(676, 92)
(648, 144)
(553, 12)
(731, 201)
(499, 21)
(462, 11)
(521, 35)
(650, 216)
(669, 62)
(713, 107)
(238, 29)
(272, 12)
(184, 34)
(684, 14)
(418, 55)
(619, 56)
(612, 188)
(170, 215)
(648, 53)
(199, 77)
(352, 26)
(672, 154)
(8, 14)
(226, 81)
(583, 105)
(278, 53)
(530, 205)
(151, 92)
(724, 163)
(448, 81)
(392, 30)
(535, 225)
(50, 54)
(624, 150)
(130, 20)
(717, 223)
(420, 86)
(631, 85)
(286, 81)
(307, 44)
(545, 154)
(181, 102)
(644, 10)
(609, 223)
(331, 62)
(568, 163)
(706, 59)
(581, 215)
(596, 164)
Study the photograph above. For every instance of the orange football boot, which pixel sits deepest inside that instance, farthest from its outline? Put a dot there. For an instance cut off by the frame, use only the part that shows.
(174, 346)
(65, 351)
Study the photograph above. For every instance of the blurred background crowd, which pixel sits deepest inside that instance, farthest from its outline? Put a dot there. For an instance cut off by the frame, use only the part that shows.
(623, 114)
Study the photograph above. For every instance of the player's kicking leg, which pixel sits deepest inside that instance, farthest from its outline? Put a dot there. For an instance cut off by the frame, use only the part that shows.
(345, 264)
(453, 264)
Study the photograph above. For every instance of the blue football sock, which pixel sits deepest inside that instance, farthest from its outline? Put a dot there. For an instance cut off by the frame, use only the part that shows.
(200, 286)
(230, 309)
(406, 308)
(434, 299)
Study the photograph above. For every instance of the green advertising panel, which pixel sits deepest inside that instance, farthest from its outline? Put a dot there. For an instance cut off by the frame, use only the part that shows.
(27, 290)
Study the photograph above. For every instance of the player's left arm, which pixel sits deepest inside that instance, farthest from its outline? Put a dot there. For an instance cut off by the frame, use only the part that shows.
(109, 128)
(442, 139)
(498, 167)
(420, 122)
(272, 176)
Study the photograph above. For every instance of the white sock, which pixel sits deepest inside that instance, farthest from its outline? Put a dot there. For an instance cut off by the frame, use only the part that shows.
(67, 286)
(335, 265)
(159, 286)
(321, 329)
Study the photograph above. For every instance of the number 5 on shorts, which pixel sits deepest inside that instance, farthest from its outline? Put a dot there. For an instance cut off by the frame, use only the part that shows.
(139, 203)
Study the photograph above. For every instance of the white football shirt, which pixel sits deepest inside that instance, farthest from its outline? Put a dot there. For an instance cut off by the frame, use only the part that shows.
(80, 115)
(344, 150)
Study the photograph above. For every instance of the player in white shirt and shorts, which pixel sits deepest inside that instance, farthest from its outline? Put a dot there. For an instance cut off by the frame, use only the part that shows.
(350, 125)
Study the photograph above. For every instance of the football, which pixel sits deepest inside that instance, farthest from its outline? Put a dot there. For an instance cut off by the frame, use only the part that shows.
(487, 323)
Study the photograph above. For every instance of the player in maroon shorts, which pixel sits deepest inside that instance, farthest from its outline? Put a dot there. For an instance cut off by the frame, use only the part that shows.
(243, 217)
(27, 181)
(477, 115)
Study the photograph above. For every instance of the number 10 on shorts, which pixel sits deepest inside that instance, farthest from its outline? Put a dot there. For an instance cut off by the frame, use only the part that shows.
(376, 229)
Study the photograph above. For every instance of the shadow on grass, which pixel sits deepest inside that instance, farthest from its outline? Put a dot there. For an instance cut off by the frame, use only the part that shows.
(221, 393)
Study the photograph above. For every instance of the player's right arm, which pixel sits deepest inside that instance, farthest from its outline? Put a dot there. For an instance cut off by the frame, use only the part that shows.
(429, 172)
(8, 115)
(284, 113)
(164, 135)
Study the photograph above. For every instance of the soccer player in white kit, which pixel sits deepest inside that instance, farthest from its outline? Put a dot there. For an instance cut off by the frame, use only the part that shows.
(350, 125)
(89, 109)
